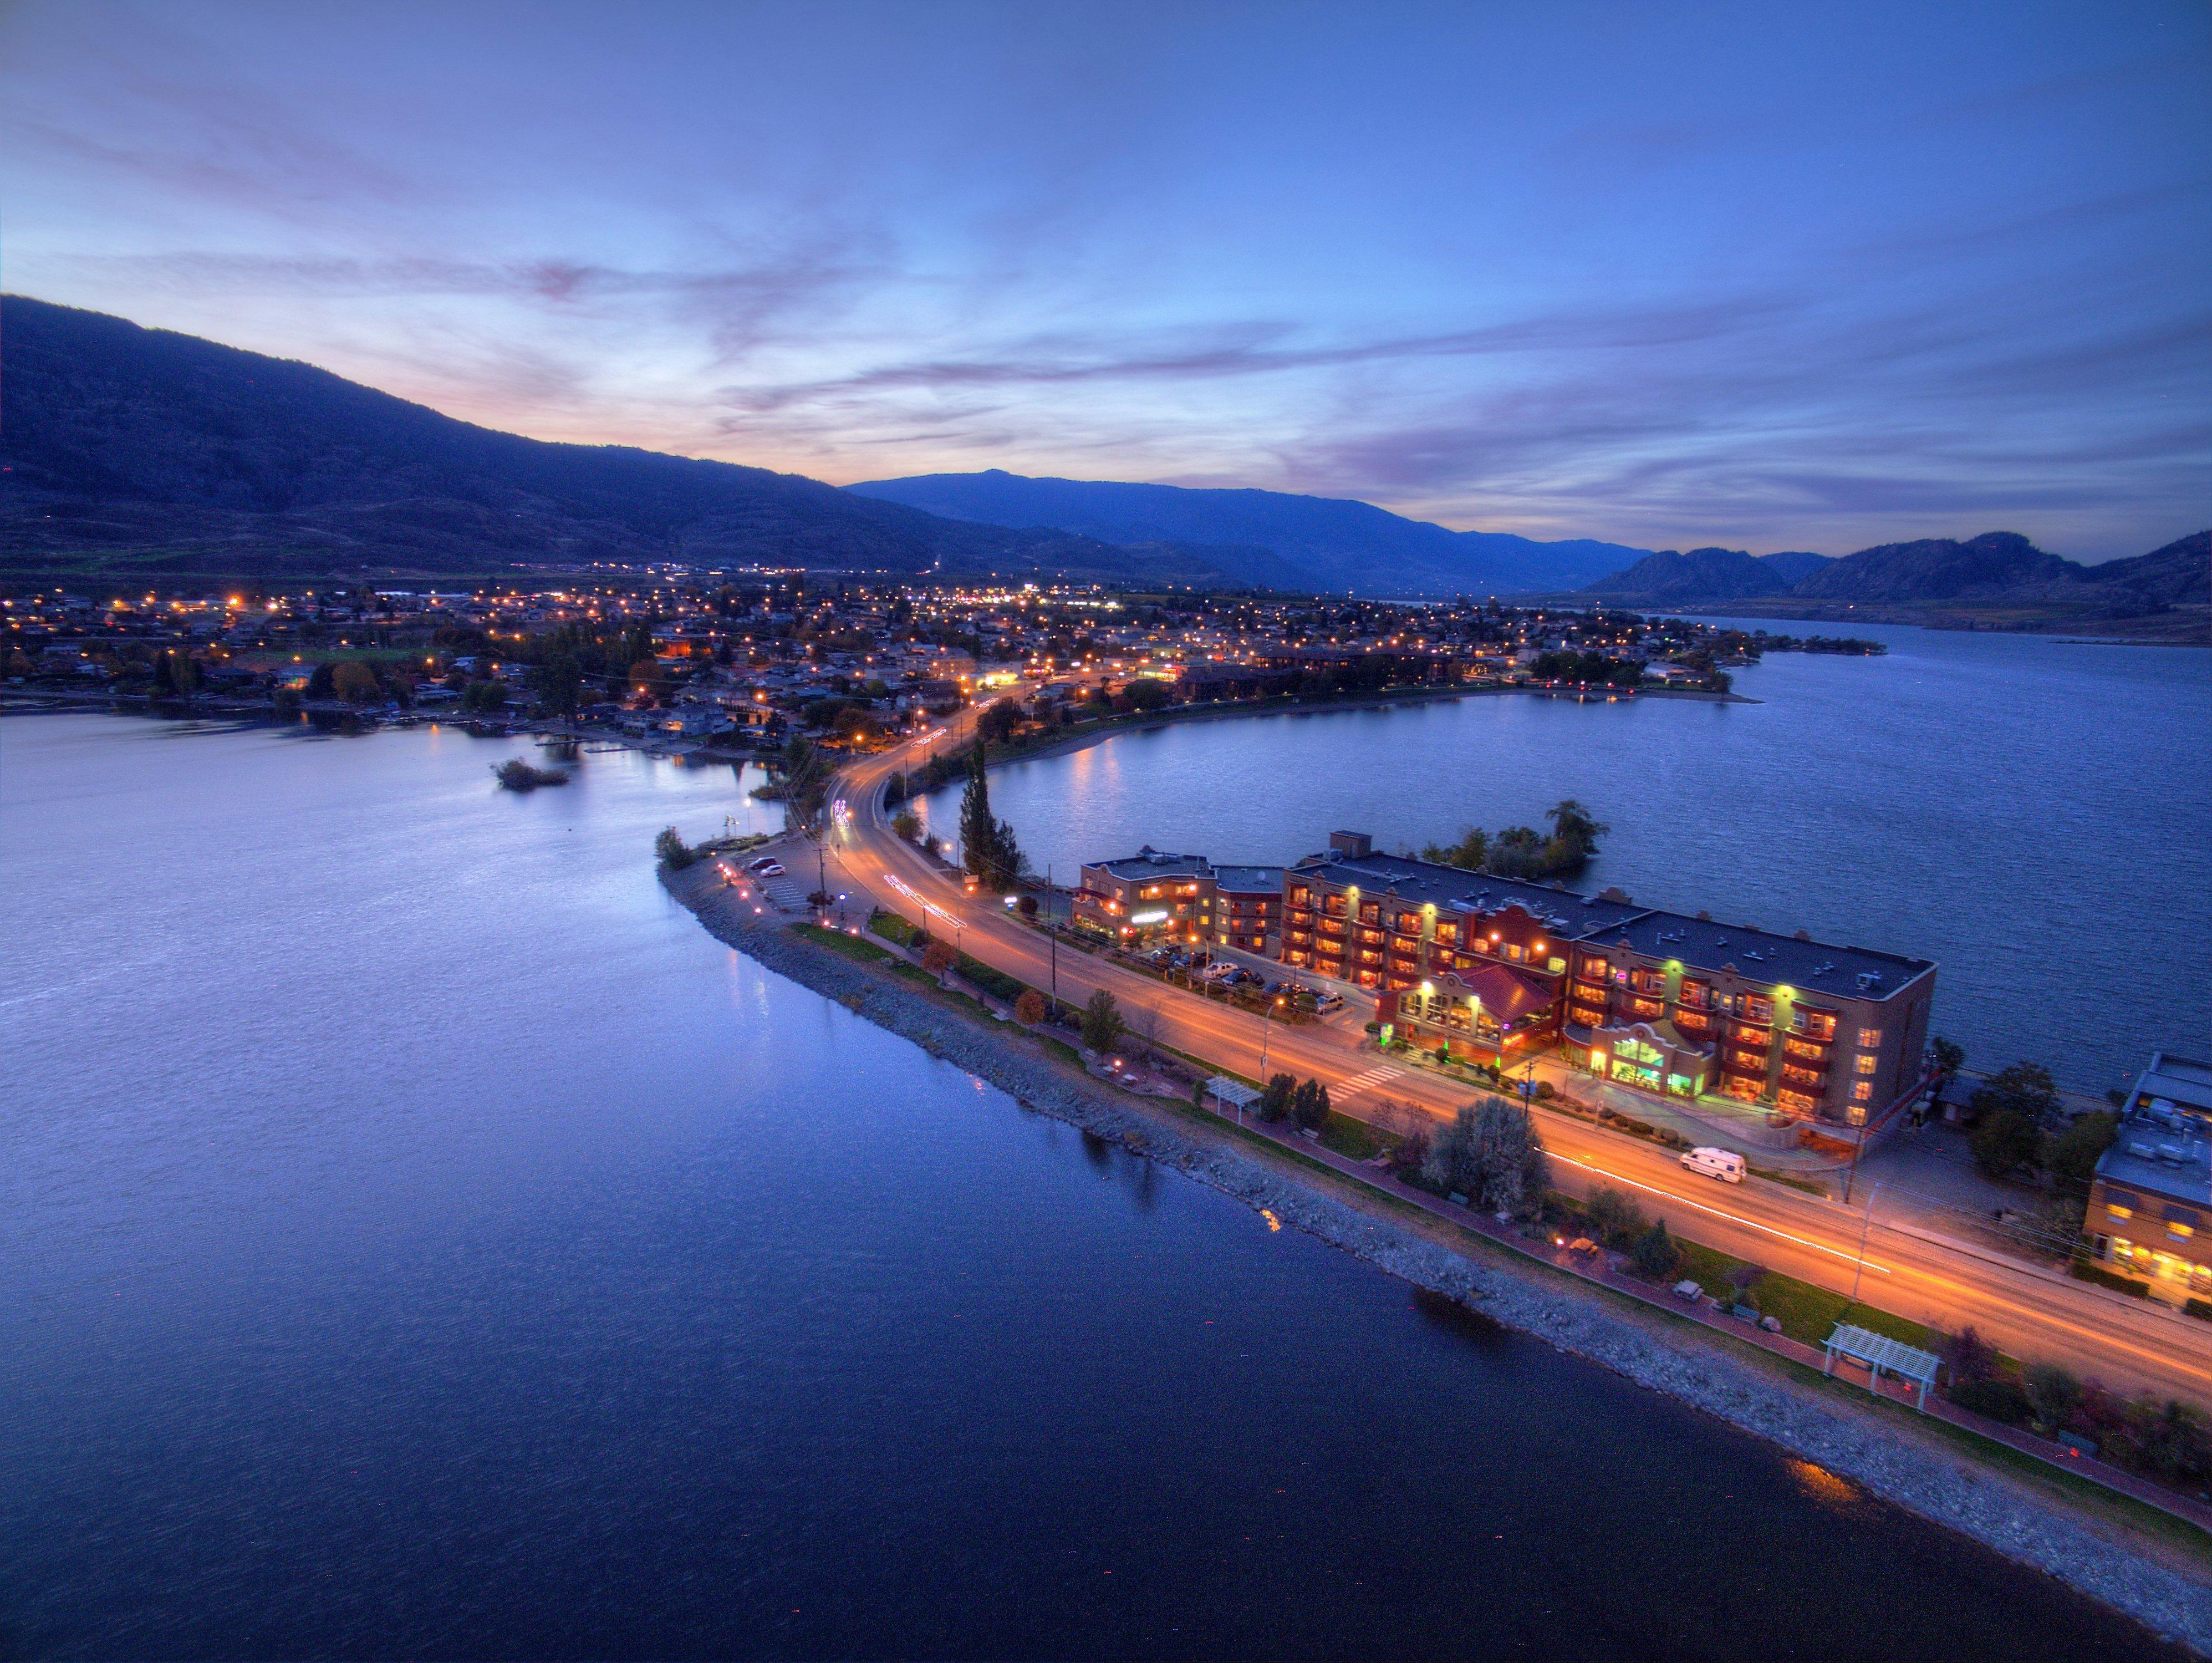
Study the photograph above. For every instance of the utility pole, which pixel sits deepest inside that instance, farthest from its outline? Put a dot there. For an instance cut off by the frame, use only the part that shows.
(1052, 940)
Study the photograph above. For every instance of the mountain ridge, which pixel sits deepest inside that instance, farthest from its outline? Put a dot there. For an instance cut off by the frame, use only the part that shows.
(1336, 541)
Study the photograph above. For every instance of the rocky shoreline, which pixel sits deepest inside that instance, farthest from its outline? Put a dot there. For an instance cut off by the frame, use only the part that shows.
(2160, 1587)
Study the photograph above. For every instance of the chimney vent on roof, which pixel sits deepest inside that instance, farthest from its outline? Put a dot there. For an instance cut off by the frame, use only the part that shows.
(1356, 844)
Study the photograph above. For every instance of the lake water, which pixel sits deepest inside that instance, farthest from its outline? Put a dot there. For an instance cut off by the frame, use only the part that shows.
(2036, 816)
(421, 1238)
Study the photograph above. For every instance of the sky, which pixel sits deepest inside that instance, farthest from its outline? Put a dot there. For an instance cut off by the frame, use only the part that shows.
(1770, 277)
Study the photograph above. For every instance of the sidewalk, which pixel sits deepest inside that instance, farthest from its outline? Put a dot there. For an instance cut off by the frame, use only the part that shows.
(1604, 1274)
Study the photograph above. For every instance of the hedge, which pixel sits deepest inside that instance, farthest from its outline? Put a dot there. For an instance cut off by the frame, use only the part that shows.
(2087, 1272)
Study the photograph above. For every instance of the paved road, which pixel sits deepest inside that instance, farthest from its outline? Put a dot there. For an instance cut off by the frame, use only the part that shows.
(2030, 1312)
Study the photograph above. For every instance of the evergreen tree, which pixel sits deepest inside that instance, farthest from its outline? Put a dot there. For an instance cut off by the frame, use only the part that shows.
(987, 848)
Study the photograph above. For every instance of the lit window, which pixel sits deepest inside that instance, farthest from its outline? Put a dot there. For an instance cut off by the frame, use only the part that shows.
(1861, 1091)
(1870, 1039)
(2119, 1212)
(2180, 1232)
(1864, 1065)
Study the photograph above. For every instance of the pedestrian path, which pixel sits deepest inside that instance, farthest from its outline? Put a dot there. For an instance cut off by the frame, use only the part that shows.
(1382, 1075)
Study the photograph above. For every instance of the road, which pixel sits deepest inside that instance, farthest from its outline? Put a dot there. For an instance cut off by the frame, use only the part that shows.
(2033, 1314)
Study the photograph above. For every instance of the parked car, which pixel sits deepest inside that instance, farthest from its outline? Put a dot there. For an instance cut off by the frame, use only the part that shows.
(765, 861)
(1726, 1164)
(1328, 1001)
(769, 870)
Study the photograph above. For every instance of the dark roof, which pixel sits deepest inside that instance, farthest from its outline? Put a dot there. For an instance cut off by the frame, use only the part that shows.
(1249, 880)
(1700, 943)
(1426, 883)
(1149, 862)
(1505, 993)
(1815, 967)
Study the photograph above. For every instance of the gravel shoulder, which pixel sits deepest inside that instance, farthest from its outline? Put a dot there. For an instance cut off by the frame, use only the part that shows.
(2157, 1582)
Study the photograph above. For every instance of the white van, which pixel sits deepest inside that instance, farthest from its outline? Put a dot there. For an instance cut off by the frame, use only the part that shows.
(1725, 1164)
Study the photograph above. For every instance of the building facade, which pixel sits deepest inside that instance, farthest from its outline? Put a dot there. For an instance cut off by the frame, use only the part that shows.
(1660, 1002)
(2150, 1203)
(1153, 898)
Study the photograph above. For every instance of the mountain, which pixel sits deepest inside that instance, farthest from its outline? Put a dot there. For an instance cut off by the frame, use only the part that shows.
(2179, 575)
(1999, 580)
(1997, 563)
(1333, 543)
(1795, 565)
(178, 454)
(1667, 578)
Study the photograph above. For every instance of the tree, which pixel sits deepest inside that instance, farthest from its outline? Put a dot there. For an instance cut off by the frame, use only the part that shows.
(1027, 906)
(2074, 1154)
(1948, 1054)
(558, 682)
(321, 682)
(355, 682)
(1103, 1026)
(1489, 1155)
(1656, 1252)
(987, 848)
(2024, 1089)
(938, 958)
(1029, 1009)
(1275, 1097)
(1574, 824)
(906, 825)
(1613, 1218)
(1310, 1104)
(2052, 1392)
(996, 725)
(2004, 1141)
(1147, 695)
(482, 697)
(1468, 854)
(675, 854)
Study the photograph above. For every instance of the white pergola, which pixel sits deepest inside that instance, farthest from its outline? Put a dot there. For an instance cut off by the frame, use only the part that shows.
(1879, 1352)
(1231, 1096)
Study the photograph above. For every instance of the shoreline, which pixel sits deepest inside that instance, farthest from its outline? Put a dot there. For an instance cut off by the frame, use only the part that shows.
(2156, 1584)
(1171, 718)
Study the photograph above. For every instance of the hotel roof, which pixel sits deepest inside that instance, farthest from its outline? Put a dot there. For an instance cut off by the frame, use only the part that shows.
(1595, 922)
(1570, 913)
(1150, 862)
(1844, 973)
(1249, 880)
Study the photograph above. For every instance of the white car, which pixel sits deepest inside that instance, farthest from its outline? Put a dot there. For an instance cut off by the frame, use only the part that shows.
(768, 870)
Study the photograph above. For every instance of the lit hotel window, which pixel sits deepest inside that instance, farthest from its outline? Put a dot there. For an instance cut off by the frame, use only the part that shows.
(1863, 1091)
(1870, 1039)
(1864, 1065)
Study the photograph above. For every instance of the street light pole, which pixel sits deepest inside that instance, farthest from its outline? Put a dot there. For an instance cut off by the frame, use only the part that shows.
(1865, 1224)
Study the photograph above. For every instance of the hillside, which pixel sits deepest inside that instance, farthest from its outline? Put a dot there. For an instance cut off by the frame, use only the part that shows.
(1332, 543)
(1669, 578)
(1999, 580)
(173, 453)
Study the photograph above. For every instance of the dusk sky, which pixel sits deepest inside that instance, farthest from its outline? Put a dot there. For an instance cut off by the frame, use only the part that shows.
(1775, 277)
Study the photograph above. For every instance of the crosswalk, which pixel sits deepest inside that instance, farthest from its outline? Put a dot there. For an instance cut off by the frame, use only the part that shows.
(1381, 1075)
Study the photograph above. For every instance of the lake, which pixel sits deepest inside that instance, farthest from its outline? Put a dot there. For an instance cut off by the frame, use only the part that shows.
(2033, 814)
(423, 1240)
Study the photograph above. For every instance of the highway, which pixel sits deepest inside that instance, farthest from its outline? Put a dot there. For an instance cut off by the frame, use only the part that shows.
(2034, 1315)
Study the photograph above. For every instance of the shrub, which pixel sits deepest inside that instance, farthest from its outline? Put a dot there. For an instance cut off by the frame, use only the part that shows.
(2052, 1392)
(1972, 1357)
(2001, 1400)
(1275, 1097)
(1613, 1218)
(2085, 1271)
(675, 854)
(937, 958)
(1546, 1090)
(1310, 1104)
(1030, 1007)
(2197, 1307)
(1656, 1252)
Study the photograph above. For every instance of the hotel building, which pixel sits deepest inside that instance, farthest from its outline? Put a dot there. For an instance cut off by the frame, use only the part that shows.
(1153, 898)
(1665, 1003)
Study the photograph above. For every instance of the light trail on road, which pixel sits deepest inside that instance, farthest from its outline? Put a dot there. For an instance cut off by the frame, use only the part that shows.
(2034, 1315)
